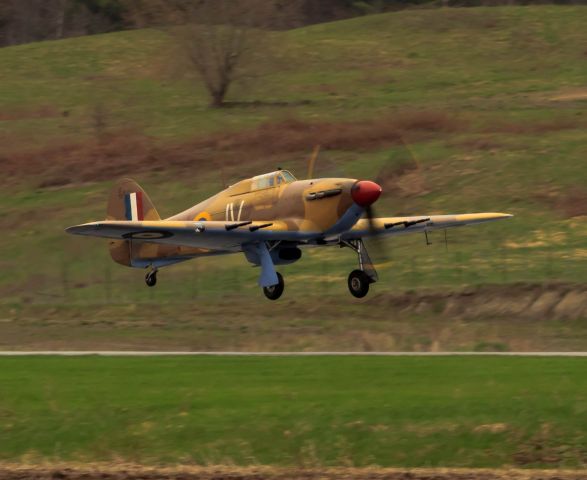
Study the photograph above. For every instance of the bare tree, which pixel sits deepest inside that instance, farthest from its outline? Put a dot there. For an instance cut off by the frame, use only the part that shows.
(32, 20)
(221, 40)
(60, 8)
(216, 46)
(23, 21)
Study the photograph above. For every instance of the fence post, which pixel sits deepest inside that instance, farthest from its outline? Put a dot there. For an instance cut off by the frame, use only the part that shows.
(504, 266)
(459, 266)
(65, 278)
(107, 282)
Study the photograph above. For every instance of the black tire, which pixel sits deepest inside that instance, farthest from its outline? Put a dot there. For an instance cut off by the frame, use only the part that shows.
(359, 283)
(151, 279)
(275, 291)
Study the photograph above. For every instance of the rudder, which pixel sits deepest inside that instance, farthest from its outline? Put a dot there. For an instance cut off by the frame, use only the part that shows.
(128, 201)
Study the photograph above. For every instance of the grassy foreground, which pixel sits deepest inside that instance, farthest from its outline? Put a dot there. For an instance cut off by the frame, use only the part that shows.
(344, 411)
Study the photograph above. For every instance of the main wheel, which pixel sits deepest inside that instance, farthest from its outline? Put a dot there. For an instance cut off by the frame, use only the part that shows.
(275, 291)
(359, 283)
(151, 278)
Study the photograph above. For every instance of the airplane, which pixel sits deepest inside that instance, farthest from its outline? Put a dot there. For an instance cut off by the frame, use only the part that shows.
(269, 218)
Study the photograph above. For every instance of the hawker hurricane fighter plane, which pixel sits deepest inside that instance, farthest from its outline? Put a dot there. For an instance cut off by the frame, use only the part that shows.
(269, 218)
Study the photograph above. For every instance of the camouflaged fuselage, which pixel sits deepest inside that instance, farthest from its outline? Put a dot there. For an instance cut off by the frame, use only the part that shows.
(311, 206)
(294, 203)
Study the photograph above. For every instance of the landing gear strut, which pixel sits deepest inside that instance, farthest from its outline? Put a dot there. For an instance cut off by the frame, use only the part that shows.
(275, 291)
(359, 280)
(151, 278)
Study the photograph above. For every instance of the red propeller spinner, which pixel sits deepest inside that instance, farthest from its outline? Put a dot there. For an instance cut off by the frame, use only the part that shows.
(365, 193)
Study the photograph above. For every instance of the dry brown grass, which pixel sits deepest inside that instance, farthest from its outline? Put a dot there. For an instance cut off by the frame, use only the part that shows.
(573, 203)
(128, 152)
(294, 135)
(44, 111)
(570, 203)
(131, 472)
(536, 128)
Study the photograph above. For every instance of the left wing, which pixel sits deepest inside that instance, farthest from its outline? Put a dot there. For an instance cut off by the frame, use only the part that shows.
(212, 235)
(403, 225)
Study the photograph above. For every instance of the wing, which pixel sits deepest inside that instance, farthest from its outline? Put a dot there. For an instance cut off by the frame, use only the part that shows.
(213, 235)
(403, 225)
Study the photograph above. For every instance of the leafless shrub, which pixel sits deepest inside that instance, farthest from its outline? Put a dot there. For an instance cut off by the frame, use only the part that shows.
(219, 41)
(99, 121)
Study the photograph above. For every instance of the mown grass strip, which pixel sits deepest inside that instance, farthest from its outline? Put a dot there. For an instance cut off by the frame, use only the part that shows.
(317, 411)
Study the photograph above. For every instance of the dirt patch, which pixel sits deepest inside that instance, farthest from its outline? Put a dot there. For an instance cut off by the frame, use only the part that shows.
(571, 203)
(532, 301)
(478, 143)
(44, 111)
(574, 203)
(133, 472)
(491, 428)
(537, 128)
(540, 448)
(570, 96)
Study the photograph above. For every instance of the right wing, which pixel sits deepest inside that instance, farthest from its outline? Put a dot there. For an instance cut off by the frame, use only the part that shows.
(403, 225)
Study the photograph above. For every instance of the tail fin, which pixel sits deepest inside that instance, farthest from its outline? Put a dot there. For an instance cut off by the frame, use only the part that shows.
(128, 201)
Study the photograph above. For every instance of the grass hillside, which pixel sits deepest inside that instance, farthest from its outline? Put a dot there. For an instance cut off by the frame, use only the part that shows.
(491, 103)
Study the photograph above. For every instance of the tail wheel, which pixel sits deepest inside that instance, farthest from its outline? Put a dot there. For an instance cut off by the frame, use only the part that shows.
(275, 291)
(359, 283)
(151, 278)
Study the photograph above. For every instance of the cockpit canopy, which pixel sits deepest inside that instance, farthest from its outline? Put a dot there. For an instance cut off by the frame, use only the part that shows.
(261, 182)
(273, 179)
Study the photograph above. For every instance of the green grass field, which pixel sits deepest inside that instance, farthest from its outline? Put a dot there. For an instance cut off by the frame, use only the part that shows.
(511, 80)
(345, 411)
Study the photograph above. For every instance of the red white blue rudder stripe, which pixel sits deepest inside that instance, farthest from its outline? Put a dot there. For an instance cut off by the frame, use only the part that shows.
(133, 205)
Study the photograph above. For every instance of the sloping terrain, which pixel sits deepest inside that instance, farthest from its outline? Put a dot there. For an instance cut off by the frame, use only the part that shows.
(478, 109)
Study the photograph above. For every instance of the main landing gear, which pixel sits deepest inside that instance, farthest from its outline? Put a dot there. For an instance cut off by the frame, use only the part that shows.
(359, 280)
(275, 291)
(359, 283)
(151, 278)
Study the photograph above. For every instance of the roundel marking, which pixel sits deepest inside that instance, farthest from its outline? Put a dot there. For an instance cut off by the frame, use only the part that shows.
(148, 235)
(203, 217)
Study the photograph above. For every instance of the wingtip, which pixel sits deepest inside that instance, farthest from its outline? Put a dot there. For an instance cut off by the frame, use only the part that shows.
(73, 230)
(81, 229)
(471, 218)
(498, 216)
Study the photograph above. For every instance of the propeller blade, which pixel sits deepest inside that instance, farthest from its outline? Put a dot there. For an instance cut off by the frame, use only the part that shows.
(312, 162)
(375, 241)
